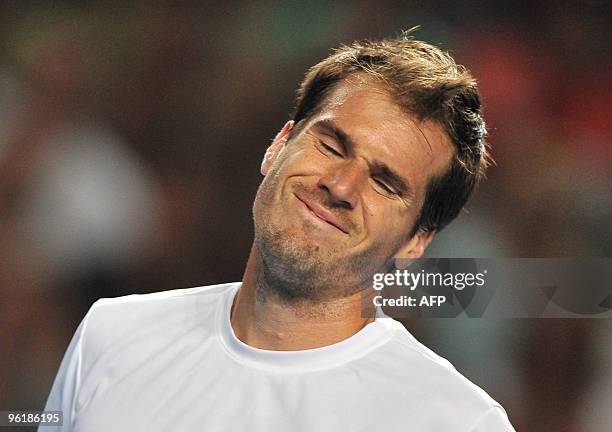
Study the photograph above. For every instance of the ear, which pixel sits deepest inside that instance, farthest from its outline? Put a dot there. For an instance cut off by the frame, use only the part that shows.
(277, 145)
(415, 247)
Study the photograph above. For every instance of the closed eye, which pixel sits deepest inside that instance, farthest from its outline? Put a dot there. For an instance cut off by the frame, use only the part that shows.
(331, 149)
(385, 186)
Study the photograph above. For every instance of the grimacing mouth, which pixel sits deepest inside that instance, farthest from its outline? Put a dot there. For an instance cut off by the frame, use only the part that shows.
(322, 213)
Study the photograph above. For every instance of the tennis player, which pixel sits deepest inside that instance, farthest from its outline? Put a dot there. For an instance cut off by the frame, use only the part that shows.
(386, 144)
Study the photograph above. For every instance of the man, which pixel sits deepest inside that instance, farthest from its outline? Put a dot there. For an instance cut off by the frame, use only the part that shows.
(386, 145)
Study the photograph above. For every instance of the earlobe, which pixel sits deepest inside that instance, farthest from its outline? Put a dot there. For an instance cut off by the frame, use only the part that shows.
(274, 149)
(415, 247)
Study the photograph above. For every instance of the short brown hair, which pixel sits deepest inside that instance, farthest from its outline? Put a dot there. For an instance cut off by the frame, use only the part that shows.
(426, 82)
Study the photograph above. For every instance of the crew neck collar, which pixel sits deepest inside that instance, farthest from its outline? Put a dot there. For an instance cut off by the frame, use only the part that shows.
(364, 341)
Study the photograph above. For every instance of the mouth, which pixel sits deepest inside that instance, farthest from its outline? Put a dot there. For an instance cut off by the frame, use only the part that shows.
(322, 213)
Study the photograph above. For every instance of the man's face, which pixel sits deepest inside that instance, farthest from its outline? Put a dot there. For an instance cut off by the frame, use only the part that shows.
(340, 197)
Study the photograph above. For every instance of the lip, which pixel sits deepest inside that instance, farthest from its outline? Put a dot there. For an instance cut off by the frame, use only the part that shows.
(322, 213)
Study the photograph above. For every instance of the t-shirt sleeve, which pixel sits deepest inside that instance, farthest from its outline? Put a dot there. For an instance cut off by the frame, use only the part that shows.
(65, 387)
(494, 420)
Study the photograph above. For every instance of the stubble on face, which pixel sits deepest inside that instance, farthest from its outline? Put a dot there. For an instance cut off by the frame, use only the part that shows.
(298, 261)
(295, 268)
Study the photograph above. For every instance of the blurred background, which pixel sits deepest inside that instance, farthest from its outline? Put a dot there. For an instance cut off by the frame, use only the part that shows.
(131, 136)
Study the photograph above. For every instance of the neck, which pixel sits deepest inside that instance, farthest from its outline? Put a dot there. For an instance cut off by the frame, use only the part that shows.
(266, 322)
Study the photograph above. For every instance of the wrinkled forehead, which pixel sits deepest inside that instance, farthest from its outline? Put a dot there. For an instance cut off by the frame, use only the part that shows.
(365, 109)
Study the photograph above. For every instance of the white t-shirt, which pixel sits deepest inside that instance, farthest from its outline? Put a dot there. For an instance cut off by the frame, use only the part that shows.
(170, 361)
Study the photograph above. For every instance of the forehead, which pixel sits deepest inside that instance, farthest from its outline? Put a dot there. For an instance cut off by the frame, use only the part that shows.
(365, 110)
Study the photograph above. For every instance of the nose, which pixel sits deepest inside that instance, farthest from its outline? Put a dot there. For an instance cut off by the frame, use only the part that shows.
(343, 183)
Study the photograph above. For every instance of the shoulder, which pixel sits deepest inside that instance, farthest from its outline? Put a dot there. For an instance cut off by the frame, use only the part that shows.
(117, 336)
(435, 381)
(159, 301)
(128, 318)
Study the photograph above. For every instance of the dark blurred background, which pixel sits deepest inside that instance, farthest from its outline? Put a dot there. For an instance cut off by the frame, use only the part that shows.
(131, 136)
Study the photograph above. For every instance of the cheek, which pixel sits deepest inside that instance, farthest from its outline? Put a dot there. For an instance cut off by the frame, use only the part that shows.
(393, 221)
(289, 163)
(295, 160)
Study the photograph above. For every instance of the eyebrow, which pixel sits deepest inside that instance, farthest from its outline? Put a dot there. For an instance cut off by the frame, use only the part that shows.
(376, 167)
